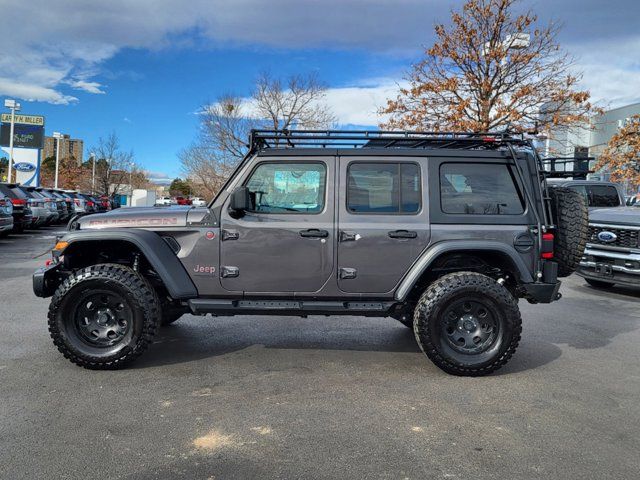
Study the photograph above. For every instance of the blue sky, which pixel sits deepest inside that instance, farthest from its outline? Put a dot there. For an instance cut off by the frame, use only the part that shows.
(151, 97)
(143, 68)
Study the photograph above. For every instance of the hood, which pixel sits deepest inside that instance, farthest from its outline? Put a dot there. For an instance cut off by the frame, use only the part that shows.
(137, 217)
(616, 216)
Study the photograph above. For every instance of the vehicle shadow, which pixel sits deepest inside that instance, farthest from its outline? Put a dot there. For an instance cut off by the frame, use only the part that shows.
(192, 338)
(625, 293)
(197, 338)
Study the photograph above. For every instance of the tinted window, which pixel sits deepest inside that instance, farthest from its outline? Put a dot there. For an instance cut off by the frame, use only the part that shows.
(288, 187)
(383, 188)
(479, 189)
(603, 196)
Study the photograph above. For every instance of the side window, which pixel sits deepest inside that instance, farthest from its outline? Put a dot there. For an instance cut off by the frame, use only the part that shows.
(288, 187)
(479, 189)
(392, 188)
(603, 196)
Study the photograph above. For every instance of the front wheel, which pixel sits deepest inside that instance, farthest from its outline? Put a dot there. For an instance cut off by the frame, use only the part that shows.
(103, 316)
(467, 324)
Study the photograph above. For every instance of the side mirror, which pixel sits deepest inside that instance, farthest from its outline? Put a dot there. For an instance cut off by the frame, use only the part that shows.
(240, 201)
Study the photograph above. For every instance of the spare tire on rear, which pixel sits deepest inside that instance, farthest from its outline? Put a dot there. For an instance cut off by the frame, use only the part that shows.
(571, 218)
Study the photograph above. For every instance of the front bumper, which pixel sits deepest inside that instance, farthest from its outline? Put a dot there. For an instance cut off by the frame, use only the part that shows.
(46, 280)
(610, 266)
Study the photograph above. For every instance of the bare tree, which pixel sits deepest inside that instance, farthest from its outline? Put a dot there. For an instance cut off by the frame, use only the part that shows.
(113, 166)
(296, 104)
(224, 128)
(491, 69)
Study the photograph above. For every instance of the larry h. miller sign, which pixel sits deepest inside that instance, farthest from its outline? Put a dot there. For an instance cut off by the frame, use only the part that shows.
(28, 138)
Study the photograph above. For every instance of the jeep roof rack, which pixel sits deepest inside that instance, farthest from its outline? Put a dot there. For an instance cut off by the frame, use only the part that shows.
(264, 139)
(554, 162)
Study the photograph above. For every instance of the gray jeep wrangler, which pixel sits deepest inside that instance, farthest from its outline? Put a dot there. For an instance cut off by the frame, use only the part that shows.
(441, 231)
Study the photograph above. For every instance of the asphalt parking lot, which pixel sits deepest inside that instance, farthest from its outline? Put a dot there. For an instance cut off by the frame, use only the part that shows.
(280, 397)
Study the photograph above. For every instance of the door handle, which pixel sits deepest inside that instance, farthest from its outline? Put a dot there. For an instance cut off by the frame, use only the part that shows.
(314, 233)
(403, 234)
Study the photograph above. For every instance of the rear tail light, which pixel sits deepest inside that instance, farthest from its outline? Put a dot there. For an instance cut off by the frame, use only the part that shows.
(18, 201)
(547, 246)
(6, 206)
(91, 204)
(76, 201)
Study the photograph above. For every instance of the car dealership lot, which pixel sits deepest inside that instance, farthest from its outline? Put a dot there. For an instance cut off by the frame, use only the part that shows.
(281, 397)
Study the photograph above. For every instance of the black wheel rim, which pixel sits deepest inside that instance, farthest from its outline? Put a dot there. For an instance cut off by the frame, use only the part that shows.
(470, 326)
(103, 319)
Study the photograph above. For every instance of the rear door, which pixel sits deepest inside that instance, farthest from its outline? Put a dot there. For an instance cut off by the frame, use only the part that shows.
(286, 243)
(383, 222)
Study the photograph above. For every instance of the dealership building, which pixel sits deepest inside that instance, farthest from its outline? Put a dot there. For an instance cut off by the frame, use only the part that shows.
(588, 140)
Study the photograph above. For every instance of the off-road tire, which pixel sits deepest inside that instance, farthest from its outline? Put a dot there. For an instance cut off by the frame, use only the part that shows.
(459, 287)
(141, 300)
(598, 283)
(571, 218)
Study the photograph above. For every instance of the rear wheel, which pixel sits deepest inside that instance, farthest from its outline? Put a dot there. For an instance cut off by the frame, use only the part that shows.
(467, 324)
(598, 283)
(103, 316)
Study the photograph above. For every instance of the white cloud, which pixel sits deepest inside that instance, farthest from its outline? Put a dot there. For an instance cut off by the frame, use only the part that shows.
(56, 45)
(91, 87)
(159, 178)
(31, 92)
(127, 120)
(611, 70)
(353, 104)
(359, 105)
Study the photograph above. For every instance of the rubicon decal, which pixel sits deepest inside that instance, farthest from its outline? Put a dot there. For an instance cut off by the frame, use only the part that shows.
(131, 222)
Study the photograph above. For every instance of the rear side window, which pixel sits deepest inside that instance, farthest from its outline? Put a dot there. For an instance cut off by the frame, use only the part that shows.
(603, 196)
(392, 188)
(479, 189)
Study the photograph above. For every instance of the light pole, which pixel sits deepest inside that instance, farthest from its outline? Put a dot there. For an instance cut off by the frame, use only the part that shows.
(93, 173)
(130, 183)
(58, 136)
(14, 107)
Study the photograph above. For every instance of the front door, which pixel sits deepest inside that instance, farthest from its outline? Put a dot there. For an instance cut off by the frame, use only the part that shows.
(383, 222)
(286, 243)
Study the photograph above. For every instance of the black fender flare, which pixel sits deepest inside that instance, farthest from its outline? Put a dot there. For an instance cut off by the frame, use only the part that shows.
(429, 256)
(157, 252)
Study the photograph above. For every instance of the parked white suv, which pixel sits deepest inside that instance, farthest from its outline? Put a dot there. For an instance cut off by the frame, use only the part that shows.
(198, 202)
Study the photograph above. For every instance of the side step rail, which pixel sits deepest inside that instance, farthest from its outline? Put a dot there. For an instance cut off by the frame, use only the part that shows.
(200, 306)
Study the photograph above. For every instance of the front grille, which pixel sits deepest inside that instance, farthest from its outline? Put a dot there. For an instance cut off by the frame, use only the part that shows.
(624, 237)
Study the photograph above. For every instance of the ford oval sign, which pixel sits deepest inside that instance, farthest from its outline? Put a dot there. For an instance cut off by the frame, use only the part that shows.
(24, 167)
(607, 237)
